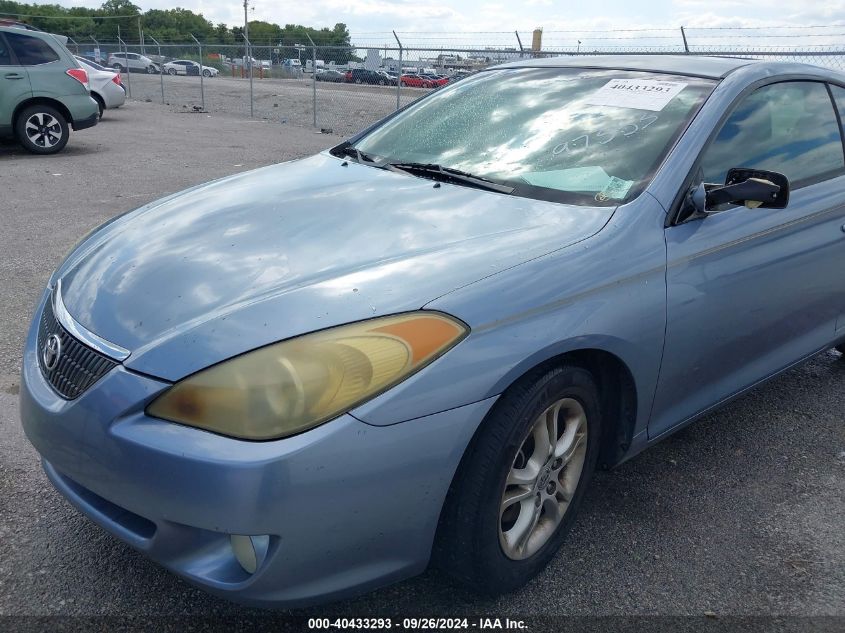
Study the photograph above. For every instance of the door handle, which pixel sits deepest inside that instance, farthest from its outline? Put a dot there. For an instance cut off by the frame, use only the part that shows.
(13, 76)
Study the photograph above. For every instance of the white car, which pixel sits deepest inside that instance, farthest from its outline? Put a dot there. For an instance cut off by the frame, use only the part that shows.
(106, 85)
(132, 62)
(188, 67)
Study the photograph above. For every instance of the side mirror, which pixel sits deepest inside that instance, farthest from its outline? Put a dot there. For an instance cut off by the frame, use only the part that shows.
(755, 188)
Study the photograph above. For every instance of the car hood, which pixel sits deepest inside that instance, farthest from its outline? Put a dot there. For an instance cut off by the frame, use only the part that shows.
(264, 255)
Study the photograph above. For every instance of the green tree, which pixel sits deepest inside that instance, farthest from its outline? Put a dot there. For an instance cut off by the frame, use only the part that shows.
(108, 24)
(176, 25)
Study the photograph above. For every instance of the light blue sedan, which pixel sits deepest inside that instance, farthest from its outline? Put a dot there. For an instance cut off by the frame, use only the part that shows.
(303, 382)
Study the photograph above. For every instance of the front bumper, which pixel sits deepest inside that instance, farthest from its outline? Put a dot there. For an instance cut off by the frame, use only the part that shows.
(348, 506)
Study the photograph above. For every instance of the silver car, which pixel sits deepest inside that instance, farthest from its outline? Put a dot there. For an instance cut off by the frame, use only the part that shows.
(132, 62)
(106, 85)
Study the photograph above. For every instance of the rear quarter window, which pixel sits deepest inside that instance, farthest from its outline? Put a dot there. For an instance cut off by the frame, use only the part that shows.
(31, 51)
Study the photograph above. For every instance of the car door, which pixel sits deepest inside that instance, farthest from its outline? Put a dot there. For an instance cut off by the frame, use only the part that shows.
(40, 61)
(14, 86)
(752, 291)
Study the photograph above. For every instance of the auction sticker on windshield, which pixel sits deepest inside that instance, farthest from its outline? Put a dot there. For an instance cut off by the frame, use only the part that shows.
(640, 94)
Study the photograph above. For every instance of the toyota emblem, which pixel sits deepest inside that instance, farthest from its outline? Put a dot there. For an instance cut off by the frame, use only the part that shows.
(52, 352)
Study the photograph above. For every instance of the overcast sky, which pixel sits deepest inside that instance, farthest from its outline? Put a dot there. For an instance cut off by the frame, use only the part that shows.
(365, 17)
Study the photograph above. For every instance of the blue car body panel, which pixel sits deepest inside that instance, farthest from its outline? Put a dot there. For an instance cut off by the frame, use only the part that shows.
(176, 492)
(263, 257)
(695, 313)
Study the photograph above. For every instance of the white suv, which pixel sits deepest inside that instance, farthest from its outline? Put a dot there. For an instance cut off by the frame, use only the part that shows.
(132, 62)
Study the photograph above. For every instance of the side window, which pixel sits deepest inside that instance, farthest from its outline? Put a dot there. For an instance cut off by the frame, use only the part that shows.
(5, 56)
(839, 97)
(31, 51)
(788, 127)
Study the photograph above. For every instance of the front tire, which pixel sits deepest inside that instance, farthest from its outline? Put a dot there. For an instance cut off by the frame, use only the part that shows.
(519, 485)
(206, 73)
(42, 129)
(151, 70)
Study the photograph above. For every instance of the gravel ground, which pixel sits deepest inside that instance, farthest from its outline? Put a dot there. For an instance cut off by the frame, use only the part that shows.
(741, 513)
(344, 108)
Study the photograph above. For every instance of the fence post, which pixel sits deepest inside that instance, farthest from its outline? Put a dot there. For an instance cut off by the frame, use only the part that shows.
(126, 61)
(519, 41)
(399, 78)
(202, 72)
(684, 36)
(74, 44)
(313, 75)
(248, 61)
(161, 67)
(97, 50)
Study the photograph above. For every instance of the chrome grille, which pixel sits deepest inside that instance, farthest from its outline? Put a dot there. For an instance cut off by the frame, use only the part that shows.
(78, 366)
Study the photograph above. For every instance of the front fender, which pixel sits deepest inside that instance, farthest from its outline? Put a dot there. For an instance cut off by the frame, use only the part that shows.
(606, 293)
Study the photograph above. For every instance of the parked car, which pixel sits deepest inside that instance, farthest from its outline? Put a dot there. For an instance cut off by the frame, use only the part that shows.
(330, 75)
(419, 344)
(436, 80)
(364, 76)
(43, 91)
(389, 80)
(106, 86)
(132, 62)
(188, 67)
(415, 81)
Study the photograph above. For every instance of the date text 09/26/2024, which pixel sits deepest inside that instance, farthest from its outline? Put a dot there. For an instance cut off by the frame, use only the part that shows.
(416, 624)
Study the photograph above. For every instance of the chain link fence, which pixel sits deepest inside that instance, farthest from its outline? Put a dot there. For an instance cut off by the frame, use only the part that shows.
(345, 88)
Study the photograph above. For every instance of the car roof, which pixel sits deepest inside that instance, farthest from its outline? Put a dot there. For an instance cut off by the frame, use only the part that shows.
(690, 65)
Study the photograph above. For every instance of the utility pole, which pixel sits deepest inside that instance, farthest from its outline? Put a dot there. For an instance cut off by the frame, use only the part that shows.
(246, 20)
(248, 60)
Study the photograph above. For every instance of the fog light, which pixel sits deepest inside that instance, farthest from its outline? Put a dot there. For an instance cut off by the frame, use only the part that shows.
(249, 550)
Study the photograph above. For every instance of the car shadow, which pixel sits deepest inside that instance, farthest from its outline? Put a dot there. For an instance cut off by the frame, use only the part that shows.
(14, 150)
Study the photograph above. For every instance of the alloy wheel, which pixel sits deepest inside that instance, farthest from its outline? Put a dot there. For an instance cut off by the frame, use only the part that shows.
(43, 130)
(543, 479)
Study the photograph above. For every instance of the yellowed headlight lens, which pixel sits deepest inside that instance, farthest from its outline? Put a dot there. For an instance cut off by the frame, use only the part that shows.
(288, 387)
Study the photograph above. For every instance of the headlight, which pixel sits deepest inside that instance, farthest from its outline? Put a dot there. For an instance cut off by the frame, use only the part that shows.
(288, 387)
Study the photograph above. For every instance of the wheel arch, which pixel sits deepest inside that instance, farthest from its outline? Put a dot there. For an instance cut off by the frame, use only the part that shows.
(53, 103)
(614, 378)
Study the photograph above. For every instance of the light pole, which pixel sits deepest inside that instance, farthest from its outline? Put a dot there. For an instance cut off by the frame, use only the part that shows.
(246, 20)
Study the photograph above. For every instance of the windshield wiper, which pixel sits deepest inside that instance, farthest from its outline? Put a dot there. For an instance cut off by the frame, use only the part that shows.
(449, 174)
(361, 157)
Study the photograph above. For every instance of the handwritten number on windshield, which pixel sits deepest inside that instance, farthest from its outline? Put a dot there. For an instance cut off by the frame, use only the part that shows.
(603, 137)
